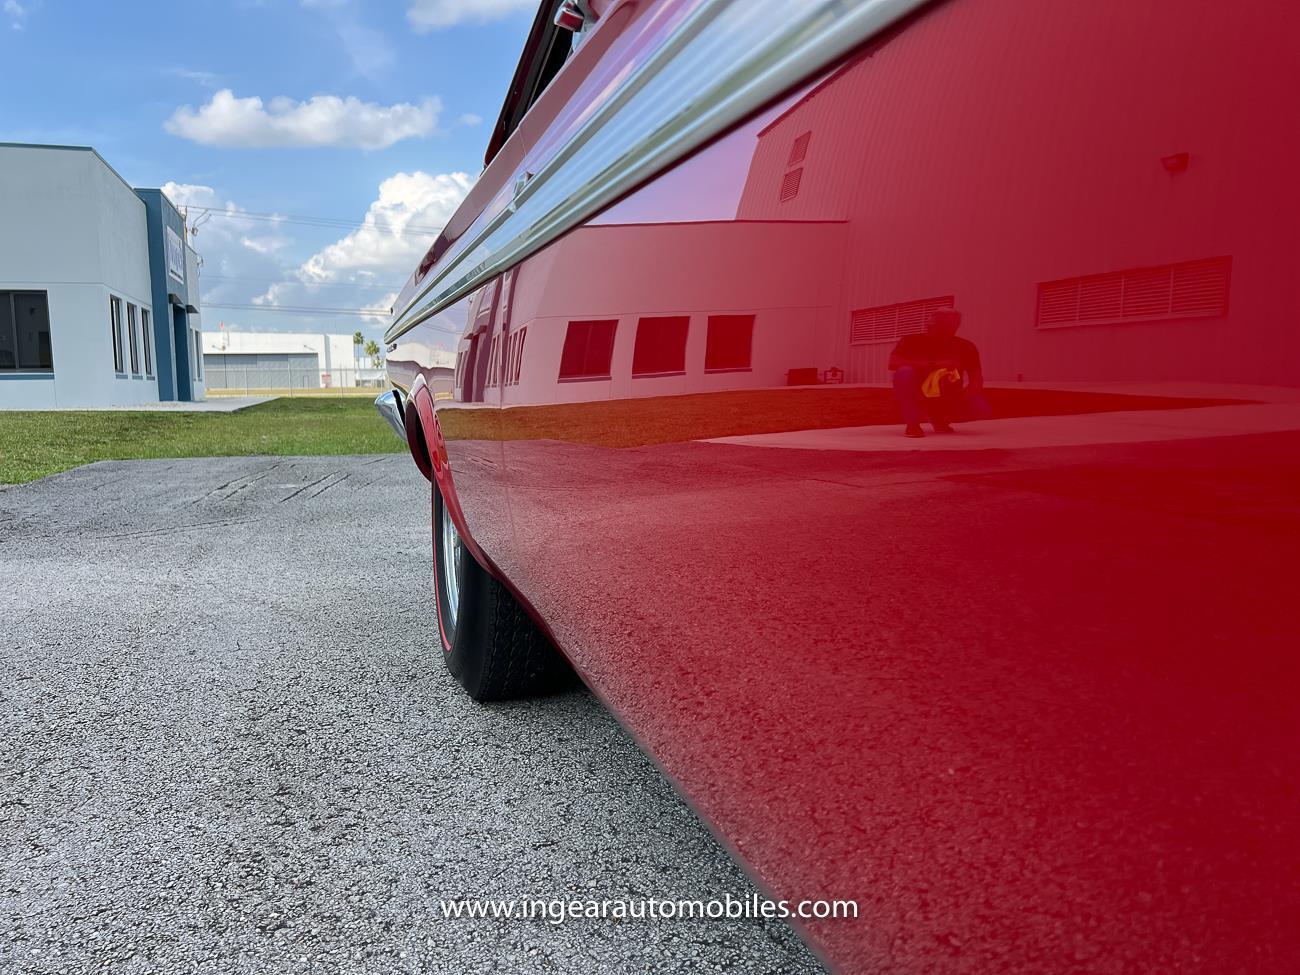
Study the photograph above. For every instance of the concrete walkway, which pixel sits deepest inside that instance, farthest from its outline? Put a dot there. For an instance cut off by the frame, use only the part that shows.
(1017, 433)
(217, 404)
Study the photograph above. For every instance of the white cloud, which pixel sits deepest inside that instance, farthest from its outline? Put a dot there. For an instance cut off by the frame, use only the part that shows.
(396, 231)
(323, 120)
(368, 49)
(227, 228)
(362, 269)
(15, 11)
(365, 268)
(469, 118)
(205, 79)
(426, 15)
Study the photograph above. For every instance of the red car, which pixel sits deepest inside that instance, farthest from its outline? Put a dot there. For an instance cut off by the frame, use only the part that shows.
(992, 631)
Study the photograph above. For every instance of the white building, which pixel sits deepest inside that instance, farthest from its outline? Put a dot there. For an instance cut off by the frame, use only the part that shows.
(285, 360)
(98, 289)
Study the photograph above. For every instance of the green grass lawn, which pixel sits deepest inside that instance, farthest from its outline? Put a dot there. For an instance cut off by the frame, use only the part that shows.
(36, 444)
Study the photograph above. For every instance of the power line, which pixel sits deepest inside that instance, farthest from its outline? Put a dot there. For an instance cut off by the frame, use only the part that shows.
(330, 222)
(300, 310)
(314, 284)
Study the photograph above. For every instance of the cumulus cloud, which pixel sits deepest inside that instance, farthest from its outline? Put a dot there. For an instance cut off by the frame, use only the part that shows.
(375, 259)
(323, 120)
(396, 230)
(426, 15)
(363, 269)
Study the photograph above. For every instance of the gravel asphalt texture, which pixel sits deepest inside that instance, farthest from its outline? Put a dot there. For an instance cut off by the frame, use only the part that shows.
(227, 744)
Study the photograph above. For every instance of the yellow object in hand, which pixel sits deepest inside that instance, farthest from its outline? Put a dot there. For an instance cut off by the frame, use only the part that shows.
(931, 387)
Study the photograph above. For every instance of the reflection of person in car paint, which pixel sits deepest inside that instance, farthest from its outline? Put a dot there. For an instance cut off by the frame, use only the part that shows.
(939, 375)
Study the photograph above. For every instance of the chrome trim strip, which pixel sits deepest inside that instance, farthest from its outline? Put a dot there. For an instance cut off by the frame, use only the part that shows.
(674, 103)
(389, 405)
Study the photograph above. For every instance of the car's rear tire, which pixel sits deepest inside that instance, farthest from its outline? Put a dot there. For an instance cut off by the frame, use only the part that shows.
(490, 644)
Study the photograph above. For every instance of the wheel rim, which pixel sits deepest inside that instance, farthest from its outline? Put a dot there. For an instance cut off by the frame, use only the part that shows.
(450, 580)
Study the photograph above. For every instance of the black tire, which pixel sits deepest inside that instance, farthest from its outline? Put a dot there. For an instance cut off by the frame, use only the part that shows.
(490, 644)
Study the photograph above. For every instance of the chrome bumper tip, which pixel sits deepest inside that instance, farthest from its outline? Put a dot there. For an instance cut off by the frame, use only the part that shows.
(389, 405)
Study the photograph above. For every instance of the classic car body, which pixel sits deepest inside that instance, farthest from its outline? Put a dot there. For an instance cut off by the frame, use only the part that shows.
(1026, 692)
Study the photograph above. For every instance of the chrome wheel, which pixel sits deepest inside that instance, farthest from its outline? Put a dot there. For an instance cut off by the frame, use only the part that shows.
(450, 565)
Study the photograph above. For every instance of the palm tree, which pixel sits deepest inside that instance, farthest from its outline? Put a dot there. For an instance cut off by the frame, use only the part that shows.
(372, 350)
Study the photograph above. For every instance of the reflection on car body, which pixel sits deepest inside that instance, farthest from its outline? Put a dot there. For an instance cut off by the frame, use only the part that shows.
(1026, 691)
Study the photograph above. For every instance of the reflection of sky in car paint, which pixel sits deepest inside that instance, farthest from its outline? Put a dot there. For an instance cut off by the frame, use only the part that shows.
(707, 192)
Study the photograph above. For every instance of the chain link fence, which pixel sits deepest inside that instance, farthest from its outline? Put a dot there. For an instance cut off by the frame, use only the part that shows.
(290, 379)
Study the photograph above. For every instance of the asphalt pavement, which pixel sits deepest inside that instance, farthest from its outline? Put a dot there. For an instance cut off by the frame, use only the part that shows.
(227, 744)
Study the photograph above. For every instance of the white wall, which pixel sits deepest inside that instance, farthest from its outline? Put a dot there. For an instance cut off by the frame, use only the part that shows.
(70, 227)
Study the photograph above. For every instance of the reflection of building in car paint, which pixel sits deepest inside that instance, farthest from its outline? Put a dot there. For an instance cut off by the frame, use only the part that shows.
(748, 346)
(691, 331)
(909, 236)
(408, 356)
(821, 274)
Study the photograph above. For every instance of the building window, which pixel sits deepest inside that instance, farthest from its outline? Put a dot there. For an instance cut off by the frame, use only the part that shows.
(1192, 289)
(660, 346)
(889, 323)
(132, 340)
(494, 361)
(115, 324)
(198, 354)
(25, 331)
(146, 334)
(588, 349)
(515, 355)
(730, 343)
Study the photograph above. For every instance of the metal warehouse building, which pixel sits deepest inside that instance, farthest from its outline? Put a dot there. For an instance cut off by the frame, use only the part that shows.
(99, 301)
(284, 361)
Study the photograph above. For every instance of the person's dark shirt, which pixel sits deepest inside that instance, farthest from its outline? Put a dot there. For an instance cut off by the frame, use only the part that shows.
(935, 347)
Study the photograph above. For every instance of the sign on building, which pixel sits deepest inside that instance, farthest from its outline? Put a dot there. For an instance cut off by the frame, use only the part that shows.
(175, 255)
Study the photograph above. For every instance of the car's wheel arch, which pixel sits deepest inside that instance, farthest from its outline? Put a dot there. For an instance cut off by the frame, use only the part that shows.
(429, 451)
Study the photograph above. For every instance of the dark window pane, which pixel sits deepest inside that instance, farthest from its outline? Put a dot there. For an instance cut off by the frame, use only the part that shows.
(133, 341)
(8, 341)
(588, 349)
(115, 326)
(660, 345)
(730, 340)
(32, 321)
(147, 335)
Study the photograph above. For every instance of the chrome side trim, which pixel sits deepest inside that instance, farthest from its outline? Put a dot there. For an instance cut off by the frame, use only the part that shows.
(389, 405)
(724, 61)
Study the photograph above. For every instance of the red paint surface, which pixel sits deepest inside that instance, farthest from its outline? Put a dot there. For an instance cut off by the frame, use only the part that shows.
(1027, 692)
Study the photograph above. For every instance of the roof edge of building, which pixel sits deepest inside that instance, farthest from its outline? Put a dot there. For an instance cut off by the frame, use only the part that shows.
(90, 149)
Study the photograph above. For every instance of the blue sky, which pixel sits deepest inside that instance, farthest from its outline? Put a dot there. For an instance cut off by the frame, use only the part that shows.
(360, 110)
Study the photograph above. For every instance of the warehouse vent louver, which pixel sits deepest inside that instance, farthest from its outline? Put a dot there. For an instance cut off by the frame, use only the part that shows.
(1191, 289)
(888, 323)
(790, 185)
(799, 151)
